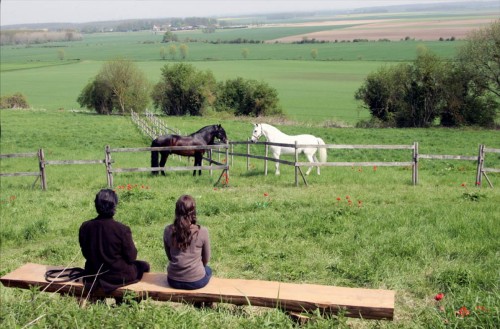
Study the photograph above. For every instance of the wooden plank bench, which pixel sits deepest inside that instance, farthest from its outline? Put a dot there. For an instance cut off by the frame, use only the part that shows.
(293, 297)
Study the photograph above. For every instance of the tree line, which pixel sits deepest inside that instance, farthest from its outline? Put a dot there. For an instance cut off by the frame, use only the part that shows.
(120, 87)
(429, 91)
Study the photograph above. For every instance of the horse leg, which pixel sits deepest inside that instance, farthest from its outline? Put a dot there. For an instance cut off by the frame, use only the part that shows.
(311, 159)
(154, 161)
(317, 167)
(163, 160)
(197, 162)
(277, 165)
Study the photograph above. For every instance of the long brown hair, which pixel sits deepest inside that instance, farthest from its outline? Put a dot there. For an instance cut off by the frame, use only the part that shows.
(185, 216)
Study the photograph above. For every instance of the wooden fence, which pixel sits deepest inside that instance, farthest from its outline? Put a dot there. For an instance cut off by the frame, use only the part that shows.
(40, 174)
(223, 166)
(151, 125)
(482, 169)
(297, 164)
(480, 158)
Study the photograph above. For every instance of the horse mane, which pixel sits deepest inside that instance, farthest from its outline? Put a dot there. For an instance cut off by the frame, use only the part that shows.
(203, 129)
(273, 128)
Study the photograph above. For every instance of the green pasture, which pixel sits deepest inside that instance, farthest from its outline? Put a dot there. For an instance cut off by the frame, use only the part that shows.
(439, 236)
(308, 91)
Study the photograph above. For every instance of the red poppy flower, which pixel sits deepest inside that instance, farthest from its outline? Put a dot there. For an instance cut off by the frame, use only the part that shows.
(481, 308)
(338, 198)
(439, 296)
(347, 197)
(463, 185)
(266, 194)
(374, 168)
(463, 312)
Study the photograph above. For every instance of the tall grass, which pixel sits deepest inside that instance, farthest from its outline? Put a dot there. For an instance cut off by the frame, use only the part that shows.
(355, 227)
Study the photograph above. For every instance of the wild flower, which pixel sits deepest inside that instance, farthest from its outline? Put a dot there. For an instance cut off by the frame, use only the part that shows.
(266, 194)
(463, 185)
(374, 168)
(439, 296)
(481, 308)
(463, 312)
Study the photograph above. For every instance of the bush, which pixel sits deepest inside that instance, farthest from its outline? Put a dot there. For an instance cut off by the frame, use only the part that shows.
(247, 97)
(183, 90)
(16, 101)
(120, 86)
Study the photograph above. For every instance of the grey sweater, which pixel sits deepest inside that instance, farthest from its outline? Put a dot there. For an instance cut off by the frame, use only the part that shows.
(189, 265)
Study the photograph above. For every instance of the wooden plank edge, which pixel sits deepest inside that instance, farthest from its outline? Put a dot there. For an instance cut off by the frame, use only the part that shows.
(77, 289)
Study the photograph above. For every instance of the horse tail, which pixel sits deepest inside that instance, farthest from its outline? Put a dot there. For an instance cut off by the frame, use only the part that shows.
(322, 150)
(154, 157)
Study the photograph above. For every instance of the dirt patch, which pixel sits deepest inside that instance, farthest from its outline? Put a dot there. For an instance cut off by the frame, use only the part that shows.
(393, 30)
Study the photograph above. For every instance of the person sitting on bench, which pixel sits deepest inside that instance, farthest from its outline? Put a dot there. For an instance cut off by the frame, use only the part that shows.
(108, 247)
(187, 246)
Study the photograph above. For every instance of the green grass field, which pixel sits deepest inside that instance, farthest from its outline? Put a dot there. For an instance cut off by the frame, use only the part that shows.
(309, 90)
(439, 236)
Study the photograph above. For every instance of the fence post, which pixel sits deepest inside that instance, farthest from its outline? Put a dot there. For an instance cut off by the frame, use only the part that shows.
(265, 161)
(209, 153)
(248, 153)
(415, 164)
(295, 166)
(109, 174)
(480, 164)
(41, 165)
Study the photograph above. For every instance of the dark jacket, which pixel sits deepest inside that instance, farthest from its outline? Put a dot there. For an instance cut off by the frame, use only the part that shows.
(108, 248)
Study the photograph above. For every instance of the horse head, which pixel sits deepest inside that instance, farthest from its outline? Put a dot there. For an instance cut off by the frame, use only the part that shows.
(220, 133)
(257, 132)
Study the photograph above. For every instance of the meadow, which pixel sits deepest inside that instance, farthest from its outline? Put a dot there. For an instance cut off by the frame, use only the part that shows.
(351, 226)
(356, 227)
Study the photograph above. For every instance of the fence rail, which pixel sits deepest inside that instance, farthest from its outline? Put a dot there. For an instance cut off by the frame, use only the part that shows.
(38, 174)
(482, 170)
(218, 166)
(297, 164)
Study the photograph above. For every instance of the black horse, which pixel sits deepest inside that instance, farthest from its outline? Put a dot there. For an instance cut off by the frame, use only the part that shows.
(204, 136)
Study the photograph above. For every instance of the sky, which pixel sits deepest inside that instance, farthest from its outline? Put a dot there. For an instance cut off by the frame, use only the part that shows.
(81, 11)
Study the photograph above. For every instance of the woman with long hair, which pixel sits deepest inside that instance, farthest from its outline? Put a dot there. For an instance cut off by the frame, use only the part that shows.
(187, 246)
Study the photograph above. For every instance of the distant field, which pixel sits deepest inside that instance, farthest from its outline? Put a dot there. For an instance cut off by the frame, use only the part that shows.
(310, 90)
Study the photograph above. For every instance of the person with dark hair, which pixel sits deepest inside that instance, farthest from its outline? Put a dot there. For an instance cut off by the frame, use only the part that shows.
(187, 246)
(108, 247)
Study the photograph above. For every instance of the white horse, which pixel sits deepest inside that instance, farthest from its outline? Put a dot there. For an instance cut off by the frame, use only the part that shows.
(273, 135)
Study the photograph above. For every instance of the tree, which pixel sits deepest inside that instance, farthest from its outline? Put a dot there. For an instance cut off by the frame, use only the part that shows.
(481, 55)
(406, 95)
(245, 52)
(169, 37)
(247, 97)
(314, 53)
(60, 54)
(183, 90)
(172, 51)
(96, 95)
(184, 49)
(120, 86)
(466, 103)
